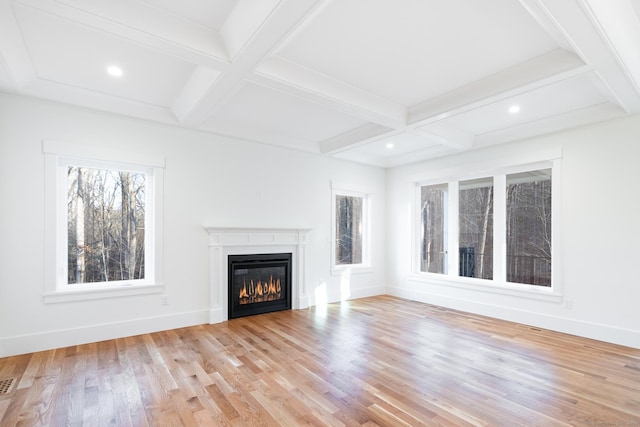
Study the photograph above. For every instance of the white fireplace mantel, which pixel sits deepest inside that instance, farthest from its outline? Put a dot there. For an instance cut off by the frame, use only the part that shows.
(225, 241)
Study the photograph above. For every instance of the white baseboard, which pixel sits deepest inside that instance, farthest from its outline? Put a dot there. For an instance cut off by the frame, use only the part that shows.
(303, 302)
(596, 331)
(10, 346)
(217, 315)
(338, 296)
(21, 344)
(371, 291)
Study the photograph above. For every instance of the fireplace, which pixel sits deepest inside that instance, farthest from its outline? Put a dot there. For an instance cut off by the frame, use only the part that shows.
(259, 283)
(231, 241)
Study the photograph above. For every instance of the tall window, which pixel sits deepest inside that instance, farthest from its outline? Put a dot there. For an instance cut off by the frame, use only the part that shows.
(529, 227)
(349, 231)
(350, 225)
(433, 248)
(476, 228)
(496, 228)
(103, 223)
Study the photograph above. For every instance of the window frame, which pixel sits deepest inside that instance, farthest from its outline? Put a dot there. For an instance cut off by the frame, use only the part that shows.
(58, 157)
(462, 183)
(366, 265)
(498, 284)
(446, 228)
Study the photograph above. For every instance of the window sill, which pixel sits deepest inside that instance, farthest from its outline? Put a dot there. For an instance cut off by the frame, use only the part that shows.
(111, 291)
(351, 269)
(503, 288)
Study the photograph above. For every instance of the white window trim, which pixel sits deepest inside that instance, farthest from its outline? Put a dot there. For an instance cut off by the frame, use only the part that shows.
(366, 266)
(498, 284)
(57, 156)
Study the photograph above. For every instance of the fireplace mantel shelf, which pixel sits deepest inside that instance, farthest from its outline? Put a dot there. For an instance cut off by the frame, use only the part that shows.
(225, 241)
(237, 236)
(255, 229)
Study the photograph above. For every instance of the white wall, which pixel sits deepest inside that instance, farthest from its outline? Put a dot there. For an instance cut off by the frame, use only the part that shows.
(209, 180)
(600, 236)
(217, 181)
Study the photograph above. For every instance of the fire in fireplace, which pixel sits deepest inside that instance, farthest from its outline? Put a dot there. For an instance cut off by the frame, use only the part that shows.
(259, 283)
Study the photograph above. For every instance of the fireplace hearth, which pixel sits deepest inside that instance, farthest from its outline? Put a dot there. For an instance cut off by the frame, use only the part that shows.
(259, 283)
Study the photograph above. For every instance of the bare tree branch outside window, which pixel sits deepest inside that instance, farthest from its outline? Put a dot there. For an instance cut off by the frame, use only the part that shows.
(106, 220)
(476, 228)
(433, 255)
(529, 228)
(349, 214)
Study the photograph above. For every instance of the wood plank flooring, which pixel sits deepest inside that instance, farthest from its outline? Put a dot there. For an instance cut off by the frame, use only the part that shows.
(379, 361)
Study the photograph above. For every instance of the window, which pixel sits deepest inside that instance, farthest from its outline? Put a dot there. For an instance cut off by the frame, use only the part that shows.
(103, 222)
(491, 230)
(105, 225)
(529, 227)
(433, 248)
(349, 215)
(350, 229)
(476, 228)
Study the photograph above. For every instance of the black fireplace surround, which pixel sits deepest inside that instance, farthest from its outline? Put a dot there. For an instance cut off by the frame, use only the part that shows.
(259, 283)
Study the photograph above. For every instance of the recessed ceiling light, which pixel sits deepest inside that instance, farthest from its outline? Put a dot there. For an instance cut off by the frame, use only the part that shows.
(514, 109)
(114, 71)
(390, 145)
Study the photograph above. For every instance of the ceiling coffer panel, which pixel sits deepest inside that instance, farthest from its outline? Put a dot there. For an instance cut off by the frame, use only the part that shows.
(373, 81)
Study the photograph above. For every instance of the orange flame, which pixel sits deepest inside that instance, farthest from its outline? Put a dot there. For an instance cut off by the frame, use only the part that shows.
(243, 291)
(259, 292)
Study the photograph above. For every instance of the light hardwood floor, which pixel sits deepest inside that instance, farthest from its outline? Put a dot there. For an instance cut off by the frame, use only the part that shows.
(375, 361)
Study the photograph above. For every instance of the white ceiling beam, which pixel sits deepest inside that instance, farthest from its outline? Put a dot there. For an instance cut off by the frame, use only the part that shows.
(419, 155)
(443, 135)
(250, 46)
(54, 91)
(363, 158)
(584, 116)
(619, 25)
(582, 28)
(447, 135)
(244, 21)
(545, 69)
(356, 137)
(192, 92)
(288, 76)
(547, 22)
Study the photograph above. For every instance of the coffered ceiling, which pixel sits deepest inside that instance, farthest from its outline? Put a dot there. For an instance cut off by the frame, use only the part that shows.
(384, 82)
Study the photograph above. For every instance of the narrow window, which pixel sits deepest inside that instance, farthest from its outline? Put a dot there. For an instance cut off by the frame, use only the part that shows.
(476, 228)
(528, 230)
(433, 233)
(349, 230)
(105, 225)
